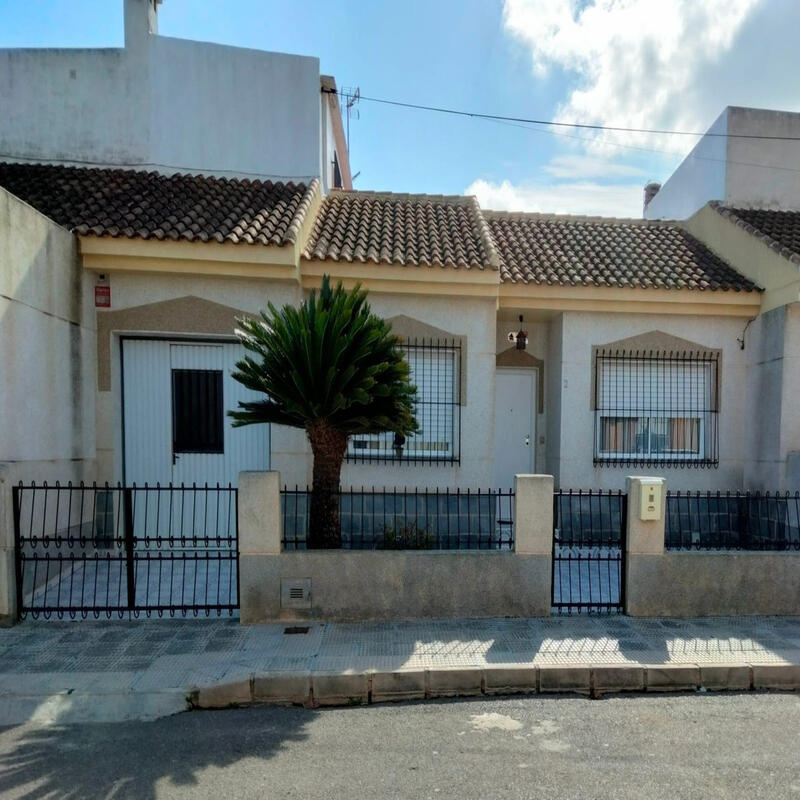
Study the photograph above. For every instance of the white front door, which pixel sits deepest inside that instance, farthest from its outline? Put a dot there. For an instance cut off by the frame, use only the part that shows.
(514, 425)
(176, 396)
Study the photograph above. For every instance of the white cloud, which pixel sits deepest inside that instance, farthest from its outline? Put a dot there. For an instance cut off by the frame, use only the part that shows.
(568, 197)
(578, 166)
(631, 62)
(667, 64)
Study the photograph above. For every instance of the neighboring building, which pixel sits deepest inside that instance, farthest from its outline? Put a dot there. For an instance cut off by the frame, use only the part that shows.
(738, 192)
(632, 358)
(765, 246)
(173, 105)
(750, 157)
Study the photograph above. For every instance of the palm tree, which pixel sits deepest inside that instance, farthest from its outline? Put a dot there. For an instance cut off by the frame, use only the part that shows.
(333, 368)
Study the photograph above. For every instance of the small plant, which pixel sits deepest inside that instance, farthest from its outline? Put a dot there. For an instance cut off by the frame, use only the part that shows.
(407, 536)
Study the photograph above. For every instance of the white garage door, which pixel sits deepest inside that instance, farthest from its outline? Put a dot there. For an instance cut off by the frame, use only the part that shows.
(176, 397)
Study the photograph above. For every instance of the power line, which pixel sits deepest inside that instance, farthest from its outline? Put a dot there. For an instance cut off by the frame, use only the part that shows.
(672, 153)
(584, 125)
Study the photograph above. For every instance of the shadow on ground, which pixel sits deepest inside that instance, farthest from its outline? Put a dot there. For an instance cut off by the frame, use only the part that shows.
(130, 760)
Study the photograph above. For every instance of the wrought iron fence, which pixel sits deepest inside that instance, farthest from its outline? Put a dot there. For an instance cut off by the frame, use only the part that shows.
(409, 519)
(732, 521)
(588, 552)
(103, 549)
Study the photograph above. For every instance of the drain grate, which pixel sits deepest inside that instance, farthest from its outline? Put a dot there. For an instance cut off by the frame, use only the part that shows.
(295, 629)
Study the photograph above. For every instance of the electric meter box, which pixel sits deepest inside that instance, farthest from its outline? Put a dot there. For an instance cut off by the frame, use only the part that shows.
(650, 499)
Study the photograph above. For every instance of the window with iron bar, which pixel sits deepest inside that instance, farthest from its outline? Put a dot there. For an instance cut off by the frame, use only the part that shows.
(656, 408)
(436, 372)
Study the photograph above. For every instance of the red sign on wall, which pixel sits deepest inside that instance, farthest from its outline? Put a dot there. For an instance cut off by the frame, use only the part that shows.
(102, 296)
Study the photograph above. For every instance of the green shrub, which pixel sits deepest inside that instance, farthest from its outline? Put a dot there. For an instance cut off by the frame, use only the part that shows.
(407, 536)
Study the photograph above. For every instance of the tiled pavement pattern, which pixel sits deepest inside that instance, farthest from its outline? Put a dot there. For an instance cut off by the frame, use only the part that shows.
(172, 653)
(110, 670)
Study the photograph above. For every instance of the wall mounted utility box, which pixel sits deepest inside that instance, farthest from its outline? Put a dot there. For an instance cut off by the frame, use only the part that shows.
(650, 499)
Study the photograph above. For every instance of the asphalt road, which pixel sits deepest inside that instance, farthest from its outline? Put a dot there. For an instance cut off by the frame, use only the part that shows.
(692, 746)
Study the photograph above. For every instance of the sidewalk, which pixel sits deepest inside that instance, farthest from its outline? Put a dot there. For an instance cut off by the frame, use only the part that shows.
(106, 670)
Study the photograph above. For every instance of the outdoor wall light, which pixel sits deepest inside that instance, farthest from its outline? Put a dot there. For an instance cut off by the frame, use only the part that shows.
(522, 336)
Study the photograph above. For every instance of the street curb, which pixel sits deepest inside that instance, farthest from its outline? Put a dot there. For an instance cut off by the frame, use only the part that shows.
(355, 687)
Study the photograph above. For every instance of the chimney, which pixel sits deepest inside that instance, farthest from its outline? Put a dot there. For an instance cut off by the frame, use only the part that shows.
(141, 20)
(650, 191)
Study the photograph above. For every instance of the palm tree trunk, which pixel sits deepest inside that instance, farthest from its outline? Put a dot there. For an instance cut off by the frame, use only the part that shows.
(328, 446)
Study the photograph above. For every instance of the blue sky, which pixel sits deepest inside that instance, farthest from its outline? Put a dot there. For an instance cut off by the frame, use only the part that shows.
(659, 63)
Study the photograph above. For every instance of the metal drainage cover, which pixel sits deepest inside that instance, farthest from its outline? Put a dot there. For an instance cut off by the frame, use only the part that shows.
(296, 629)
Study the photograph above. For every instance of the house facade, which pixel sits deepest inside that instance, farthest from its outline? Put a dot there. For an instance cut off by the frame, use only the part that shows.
(631, 361)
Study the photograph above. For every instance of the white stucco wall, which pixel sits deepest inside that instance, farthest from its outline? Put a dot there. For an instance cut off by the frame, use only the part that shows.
(553, 365)
(763, 172)
(739, 171)
(581, 331)
(290, 454)
(700, 177)
(47, 344)
(773, 432)
(229, 110)
(165, 104)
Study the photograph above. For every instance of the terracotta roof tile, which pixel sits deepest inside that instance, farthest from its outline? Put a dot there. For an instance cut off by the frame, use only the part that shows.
(402, 229)
(148, 205)
(780, 230)
(596, 251)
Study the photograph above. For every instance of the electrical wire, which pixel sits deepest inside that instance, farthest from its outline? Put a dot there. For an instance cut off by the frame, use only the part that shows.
(554, 123)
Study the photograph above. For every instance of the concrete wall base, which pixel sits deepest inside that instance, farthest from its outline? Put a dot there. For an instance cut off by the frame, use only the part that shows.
(381, 585)
(713, 583)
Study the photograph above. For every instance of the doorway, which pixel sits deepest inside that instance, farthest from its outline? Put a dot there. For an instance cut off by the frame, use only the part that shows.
(514, 425)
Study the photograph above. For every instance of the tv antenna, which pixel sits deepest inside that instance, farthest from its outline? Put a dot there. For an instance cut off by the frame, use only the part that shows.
(351, 96)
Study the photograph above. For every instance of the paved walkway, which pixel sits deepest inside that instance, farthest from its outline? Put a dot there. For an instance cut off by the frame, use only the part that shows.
(120, 669)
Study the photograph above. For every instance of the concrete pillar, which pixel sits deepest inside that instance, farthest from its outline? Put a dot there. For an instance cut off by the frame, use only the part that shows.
(260, 518)
(8, 581)
(533, 514)
(260, 534)
(644, 541)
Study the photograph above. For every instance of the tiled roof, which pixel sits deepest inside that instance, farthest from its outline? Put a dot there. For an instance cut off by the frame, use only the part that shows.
(148, 205)
(778, 229)
(595, 251)
(402, 229)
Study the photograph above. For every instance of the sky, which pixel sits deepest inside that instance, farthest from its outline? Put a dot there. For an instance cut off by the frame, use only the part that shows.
(668, 64)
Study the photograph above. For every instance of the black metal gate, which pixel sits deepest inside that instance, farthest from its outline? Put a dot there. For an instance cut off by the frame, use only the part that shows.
(120, 550)
(589, 551)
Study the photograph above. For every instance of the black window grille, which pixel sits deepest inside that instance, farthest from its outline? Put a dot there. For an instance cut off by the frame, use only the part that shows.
(436, 372)
(656, 408)
(197, 411)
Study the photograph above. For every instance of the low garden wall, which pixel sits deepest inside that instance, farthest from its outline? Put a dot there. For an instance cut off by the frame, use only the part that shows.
(510, 579)
(713, 584)
(393, 585)
(722, 557)
(714, 554)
